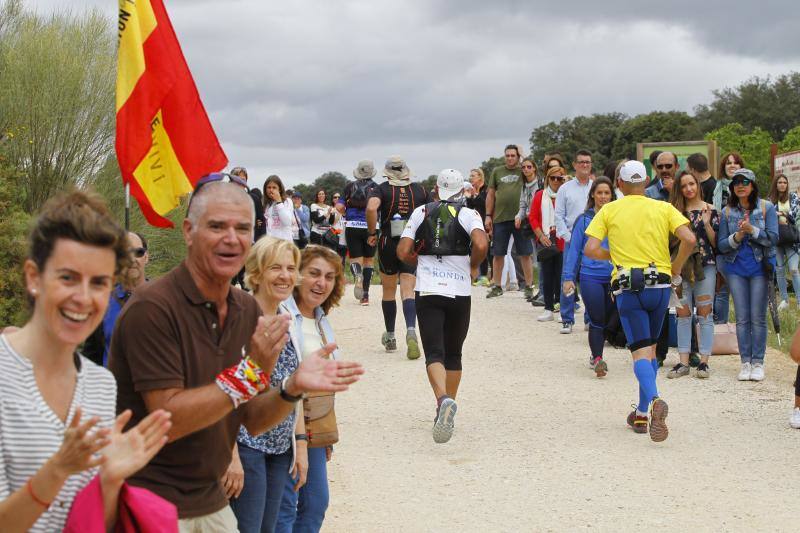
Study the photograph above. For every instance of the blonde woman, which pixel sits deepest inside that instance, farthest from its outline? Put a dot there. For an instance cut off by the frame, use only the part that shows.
(271, 270)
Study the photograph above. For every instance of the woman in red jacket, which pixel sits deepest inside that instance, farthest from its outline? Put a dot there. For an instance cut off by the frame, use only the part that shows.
(549, 248)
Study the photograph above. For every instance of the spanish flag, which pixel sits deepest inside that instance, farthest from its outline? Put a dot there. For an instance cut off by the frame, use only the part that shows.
(165, 141)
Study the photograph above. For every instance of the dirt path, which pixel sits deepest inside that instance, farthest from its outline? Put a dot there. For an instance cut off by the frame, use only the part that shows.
(542, 445)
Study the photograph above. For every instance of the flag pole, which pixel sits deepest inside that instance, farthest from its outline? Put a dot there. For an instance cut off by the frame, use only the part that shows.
(127, 207)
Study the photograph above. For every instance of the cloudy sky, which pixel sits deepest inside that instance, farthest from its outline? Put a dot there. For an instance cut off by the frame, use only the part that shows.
(298, 88)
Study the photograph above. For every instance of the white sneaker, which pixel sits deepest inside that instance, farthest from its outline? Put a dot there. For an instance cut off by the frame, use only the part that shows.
(566, 328)
(511, 287)
(744, 374)
(547, 316)
(757, 372)
(794, 421)
(783, 305)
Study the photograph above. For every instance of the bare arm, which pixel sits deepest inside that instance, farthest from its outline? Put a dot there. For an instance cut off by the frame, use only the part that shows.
(595, 251)
(480, 247)
(489, 222)
(373, 204)
(405, 251)
(688, 241)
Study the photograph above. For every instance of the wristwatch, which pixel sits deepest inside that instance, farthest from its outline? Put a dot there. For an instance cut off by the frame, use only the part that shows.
(677, 279)
(286, 396)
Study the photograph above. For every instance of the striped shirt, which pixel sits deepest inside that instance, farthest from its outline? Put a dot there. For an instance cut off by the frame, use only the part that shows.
(30, 432)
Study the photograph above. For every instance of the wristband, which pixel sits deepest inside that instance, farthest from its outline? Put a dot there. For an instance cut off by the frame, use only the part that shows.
(301, 436)
(286, 396)
(29, 486)
(489, 215)
(242, 382)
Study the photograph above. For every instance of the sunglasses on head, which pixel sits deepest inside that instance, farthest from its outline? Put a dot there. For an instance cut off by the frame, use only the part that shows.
(223, 177)
(742, 181)
(138, 252)
(665, 166)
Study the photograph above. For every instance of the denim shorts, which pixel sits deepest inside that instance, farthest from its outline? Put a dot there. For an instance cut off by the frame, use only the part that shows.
(501, 234)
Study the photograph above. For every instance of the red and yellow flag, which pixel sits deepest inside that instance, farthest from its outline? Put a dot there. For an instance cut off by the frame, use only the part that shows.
(165, 142)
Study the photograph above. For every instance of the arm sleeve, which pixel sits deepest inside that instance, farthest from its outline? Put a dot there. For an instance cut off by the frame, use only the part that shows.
(598, 227)
(575, 253)
(535, 216)
(285, 210)
(725, 242)
(410, 230)
(154, 359)
(561, 214)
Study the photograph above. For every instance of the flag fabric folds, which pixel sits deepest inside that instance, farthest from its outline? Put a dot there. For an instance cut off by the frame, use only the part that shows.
(164, 142)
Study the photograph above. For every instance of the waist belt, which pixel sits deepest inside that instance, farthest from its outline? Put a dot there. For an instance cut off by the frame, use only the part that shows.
(664, 281)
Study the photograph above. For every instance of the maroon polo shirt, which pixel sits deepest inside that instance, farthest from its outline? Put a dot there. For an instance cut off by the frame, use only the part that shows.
(168, 336)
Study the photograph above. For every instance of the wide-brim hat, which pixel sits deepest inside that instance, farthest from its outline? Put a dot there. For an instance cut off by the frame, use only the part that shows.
(396, 168)
(365, 170)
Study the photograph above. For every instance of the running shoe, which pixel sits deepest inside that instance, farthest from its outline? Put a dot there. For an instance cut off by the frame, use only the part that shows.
(365, 300)
(600, 367)
(483, 281)
(538, 301)
(702, 372)
(557, 308)
(547, 316)
(794, 421)
(678, 371)
(495, 291)
(566, 328)
(744, 373)
(358, 281)
(445, 421)
(757, 372)
(637, 423)
(390, 343)
(412, 346)
(658, 416)
(528, 293)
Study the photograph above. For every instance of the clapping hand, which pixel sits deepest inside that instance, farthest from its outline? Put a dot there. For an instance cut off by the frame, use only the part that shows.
(319, 374)
(128, 452)
(269, 338)
(80, 445)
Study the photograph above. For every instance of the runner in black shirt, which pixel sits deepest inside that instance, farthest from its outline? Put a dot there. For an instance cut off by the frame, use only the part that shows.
(389, 207)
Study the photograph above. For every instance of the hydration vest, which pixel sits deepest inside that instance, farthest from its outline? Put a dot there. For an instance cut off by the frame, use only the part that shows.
(440, 233)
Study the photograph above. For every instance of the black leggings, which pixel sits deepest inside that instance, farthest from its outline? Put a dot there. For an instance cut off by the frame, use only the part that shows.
(797, 382)
(551, 281)
(443, 325)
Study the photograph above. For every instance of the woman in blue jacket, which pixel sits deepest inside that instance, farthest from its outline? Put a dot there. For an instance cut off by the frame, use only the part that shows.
(595, 275)
(748, 233)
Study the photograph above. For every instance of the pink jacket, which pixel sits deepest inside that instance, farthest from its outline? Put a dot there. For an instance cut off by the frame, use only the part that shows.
(139, 510)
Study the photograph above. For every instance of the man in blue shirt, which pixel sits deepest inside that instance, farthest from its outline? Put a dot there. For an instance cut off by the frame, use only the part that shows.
(570, 204)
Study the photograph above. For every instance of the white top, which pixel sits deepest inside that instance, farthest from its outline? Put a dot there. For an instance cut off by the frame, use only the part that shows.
(30, 432)
(448, 275)
(312, 340)
(325, 211)
(279, 218)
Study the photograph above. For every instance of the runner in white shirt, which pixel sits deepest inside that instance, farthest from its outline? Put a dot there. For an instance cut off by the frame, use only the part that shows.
(447, 242)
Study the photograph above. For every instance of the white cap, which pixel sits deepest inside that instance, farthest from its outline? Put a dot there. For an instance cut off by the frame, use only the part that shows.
(450, 183)
(633, 172)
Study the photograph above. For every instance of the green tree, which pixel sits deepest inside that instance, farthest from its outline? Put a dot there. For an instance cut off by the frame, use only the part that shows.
(330, 182)
(772, 104)
(56, 98)
(595, 133)
(13, 245)
(791, 141)
(430, 183)
(752, 145)
(658, 126)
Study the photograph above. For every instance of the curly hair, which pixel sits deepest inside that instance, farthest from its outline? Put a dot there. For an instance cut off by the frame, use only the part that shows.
(314, 251)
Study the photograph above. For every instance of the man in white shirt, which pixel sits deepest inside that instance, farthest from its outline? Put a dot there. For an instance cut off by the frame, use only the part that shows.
(447, 242)
(570, 203)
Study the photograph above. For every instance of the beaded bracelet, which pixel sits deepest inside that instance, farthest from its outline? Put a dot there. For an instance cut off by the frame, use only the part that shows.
(242, 382)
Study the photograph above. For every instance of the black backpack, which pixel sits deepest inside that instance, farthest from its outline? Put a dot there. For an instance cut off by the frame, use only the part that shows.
(359, 193)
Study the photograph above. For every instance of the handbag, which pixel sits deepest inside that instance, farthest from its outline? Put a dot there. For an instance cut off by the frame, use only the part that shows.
(302, 238)
(725, 342)
(320, 416)
(331, 239)
(543, 253)
(526, 229)
(788, 235)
